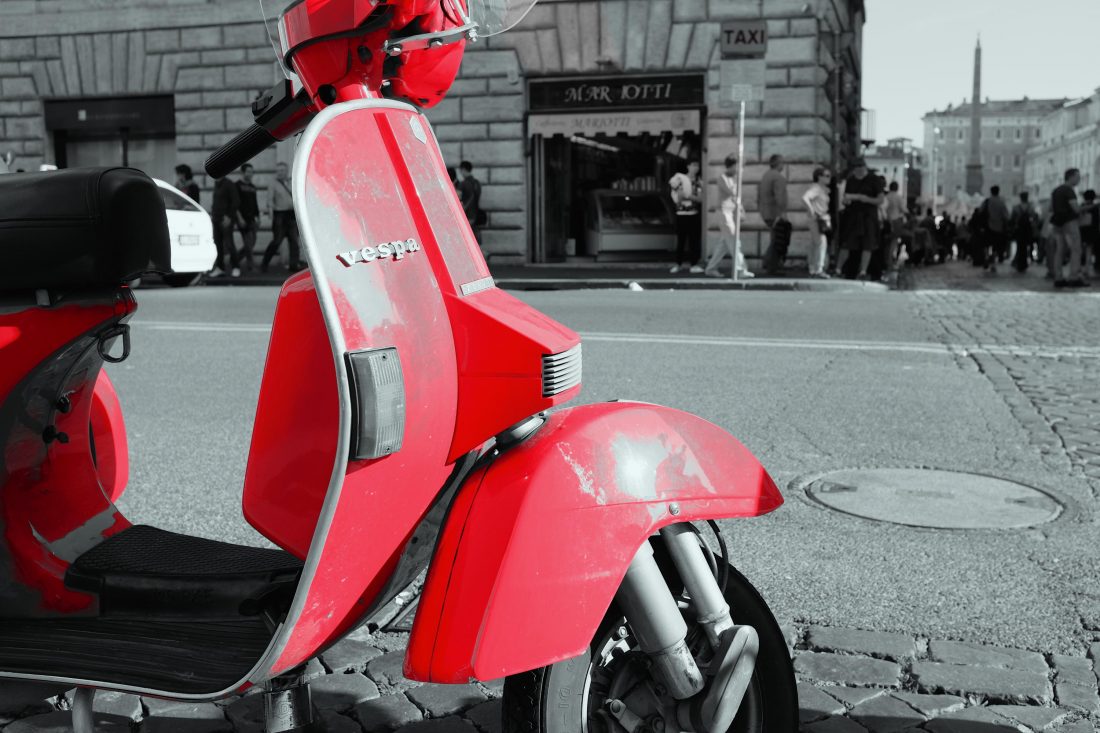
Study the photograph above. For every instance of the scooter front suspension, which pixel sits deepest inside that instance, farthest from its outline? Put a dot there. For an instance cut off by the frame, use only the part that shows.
(660, 629)
(655, 618)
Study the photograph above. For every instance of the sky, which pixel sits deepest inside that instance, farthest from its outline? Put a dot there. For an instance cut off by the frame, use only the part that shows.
(919, 56)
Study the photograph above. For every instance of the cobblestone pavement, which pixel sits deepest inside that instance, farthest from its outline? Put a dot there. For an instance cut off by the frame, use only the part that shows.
(849, 680)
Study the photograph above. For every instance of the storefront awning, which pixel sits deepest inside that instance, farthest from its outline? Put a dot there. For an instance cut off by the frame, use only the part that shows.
(611, 122)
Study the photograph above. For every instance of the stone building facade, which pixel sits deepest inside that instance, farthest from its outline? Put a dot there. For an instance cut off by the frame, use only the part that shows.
(1070, 138)
(175, 81)
(1008, 129)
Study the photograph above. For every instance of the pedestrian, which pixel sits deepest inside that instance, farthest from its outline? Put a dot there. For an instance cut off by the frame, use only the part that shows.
(979, 236)
(687, 197)
(225, 214)
(816, 200)
(773, 209)
(1024, 224)
(862, 197)
(727, 242)
(895, 221)
(996, 222)
(1090, 230)
(469, 192)
(284, 224)
(186, 183)
(1065, 214)
(250, 215)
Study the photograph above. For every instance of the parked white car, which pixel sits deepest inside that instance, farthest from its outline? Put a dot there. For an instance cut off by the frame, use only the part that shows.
(192, 235)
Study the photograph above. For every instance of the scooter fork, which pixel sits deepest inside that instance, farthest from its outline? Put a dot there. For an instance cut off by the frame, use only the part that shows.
(735, 647)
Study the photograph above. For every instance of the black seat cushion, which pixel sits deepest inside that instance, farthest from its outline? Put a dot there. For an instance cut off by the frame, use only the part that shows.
(147, 572)
(80, 228)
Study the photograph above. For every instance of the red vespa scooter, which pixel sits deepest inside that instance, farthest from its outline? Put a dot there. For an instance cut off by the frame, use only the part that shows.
(402, 422)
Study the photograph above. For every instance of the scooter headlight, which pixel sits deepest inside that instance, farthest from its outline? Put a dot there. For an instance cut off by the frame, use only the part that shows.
(378, 403)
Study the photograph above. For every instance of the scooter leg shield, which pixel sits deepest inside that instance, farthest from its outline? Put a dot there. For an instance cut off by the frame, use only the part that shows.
(537, 543)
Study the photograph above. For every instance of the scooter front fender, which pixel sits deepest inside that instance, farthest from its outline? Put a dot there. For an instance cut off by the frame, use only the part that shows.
(537, 542)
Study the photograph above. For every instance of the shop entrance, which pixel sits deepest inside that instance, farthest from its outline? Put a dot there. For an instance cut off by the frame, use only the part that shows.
(138, 132)
(600, 173)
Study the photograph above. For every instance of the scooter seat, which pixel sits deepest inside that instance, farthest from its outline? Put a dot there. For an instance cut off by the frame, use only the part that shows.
(145, 572)
(80, 229)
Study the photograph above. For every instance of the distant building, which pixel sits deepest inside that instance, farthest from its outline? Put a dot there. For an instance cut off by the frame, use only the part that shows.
(901, 162)
(1008, 129)
(1069, 138)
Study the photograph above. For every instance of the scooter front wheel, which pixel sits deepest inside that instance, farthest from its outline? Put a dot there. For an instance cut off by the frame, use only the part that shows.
(571, 696)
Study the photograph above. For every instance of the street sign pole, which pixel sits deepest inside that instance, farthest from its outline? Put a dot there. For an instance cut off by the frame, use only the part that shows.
(740, 178)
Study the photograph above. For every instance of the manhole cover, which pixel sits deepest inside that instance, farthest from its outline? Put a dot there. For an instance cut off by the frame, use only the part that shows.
(928, 498)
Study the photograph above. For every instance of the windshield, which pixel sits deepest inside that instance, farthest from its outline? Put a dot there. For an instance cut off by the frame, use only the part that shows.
(490, 16)
(496, 16)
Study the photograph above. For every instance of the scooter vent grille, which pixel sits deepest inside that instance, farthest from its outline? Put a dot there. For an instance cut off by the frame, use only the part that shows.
(561, 372)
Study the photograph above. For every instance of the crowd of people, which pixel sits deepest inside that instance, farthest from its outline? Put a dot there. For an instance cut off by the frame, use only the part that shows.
(235, 209)
(878, 232)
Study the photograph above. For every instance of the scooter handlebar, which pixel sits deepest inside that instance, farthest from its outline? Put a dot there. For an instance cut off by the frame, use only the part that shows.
(238, 151)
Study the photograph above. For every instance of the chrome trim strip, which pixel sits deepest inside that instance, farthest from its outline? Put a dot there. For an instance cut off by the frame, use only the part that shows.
(478, 285)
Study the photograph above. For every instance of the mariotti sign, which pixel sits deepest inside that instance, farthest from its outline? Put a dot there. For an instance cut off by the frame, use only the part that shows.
(604, 92)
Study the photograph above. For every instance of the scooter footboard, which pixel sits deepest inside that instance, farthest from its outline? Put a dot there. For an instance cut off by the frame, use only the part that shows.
(538, 541)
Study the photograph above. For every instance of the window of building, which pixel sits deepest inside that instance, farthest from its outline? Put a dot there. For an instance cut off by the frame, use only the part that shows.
(1036, 132)
(960, 134)
(997, 133)
(939, 189)
(1019, 133)
(1017, 161)
(997, 162)
(958, 163)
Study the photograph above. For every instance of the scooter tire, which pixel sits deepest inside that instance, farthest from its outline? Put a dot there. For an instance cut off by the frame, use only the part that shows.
(552, 699)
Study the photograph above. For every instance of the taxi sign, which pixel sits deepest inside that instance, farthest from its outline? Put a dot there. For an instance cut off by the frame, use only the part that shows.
(743, 38)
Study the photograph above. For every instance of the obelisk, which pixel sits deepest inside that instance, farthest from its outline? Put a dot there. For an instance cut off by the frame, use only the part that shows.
(974, 163)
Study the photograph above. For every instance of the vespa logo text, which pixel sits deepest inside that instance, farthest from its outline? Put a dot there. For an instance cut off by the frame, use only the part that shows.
(389, 250)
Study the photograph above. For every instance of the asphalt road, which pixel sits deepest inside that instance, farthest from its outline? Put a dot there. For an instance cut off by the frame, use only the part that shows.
(810, 382)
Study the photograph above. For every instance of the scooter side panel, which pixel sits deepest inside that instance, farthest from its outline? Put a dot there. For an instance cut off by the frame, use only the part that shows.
(112, 457)
(294, 437)
(354, 205)
(523, 577)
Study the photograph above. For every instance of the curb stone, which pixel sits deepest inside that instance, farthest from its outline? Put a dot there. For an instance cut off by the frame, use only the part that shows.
(957, 652)
(1037, 718)
(876, 644)
(1002, 685)
(814, 704)
(387, 713)
(439, 701)
(486, 716)
(846, 669)
(852, 696)
(885, 714)
(340, 692)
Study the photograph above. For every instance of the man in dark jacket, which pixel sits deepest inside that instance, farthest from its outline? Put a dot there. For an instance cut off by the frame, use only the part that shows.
(186, 183)
(225, 213)
(469, 192)
(250, 215)
(1025, 229)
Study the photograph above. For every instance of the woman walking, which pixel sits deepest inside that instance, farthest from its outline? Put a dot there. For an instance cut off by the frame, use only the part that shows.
(816, 200)
(727, 189)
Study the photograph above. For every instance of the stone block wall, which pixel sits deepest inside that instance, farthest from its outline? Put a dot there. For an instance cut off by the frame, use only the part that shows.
(214, 65)
(651, 36)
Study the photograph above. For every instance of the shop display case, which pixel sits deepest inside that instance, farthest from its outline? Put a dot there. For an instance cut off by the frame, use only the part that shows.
(628, 221)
